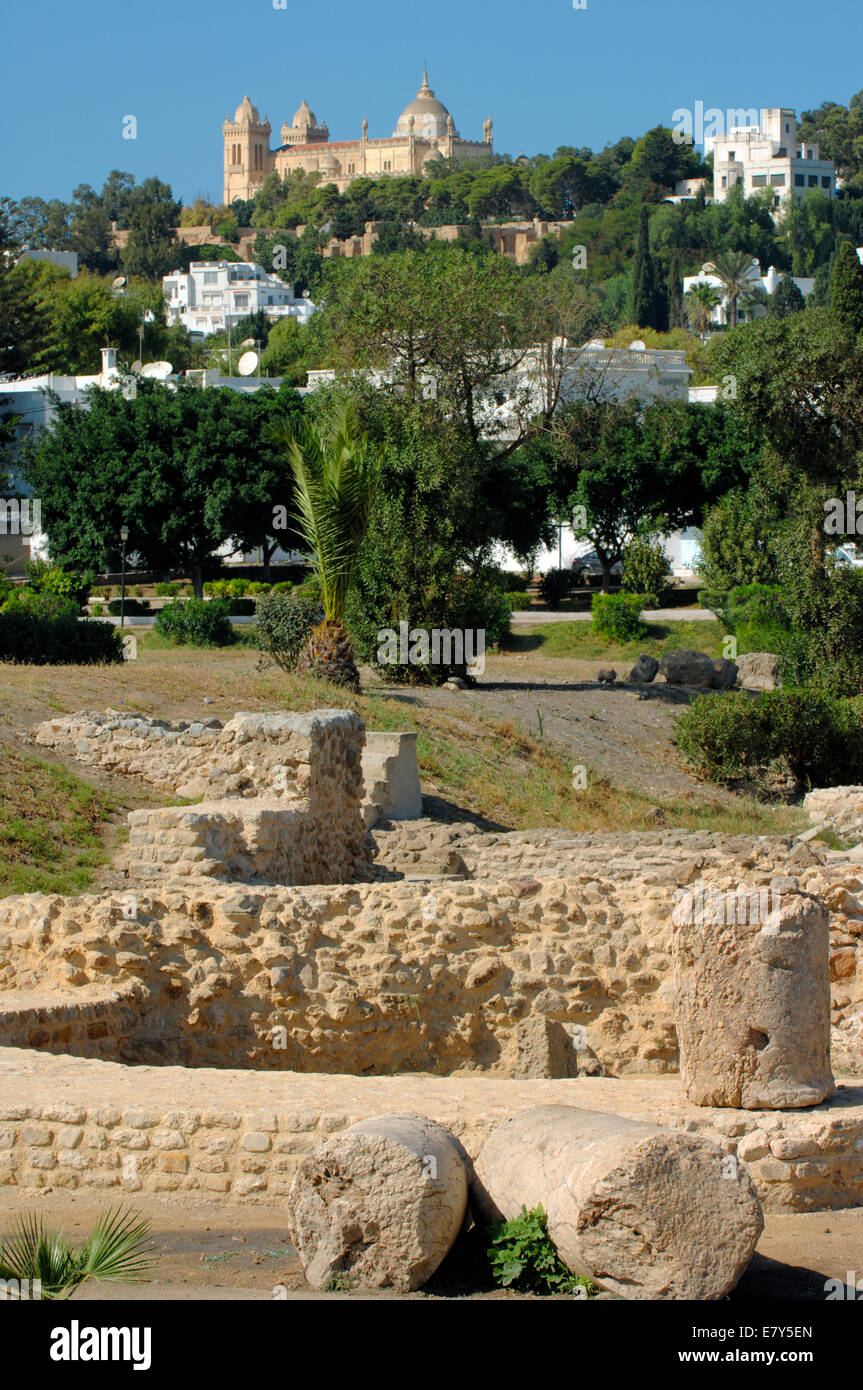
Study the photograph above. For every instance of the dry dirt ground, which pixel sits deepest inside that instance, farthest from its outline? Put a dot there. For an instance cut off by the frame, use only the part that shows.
(609, 729)
(215, 1251)
(618, 736)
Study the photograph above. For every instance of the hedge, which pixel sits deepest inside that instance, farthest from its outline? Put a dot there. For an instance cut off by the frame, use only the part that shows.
(29, 639)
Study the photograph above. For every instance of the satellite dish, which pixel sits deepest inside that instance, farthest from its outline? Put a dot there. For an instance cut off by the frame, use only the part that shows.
(248, 343)
(118, 282)
(137, 365)
(247, 363)
(157, 371)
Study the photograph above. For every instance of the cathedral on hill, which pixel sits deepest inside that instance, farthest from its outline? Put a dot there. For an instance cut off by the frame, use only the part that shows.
(425, 131)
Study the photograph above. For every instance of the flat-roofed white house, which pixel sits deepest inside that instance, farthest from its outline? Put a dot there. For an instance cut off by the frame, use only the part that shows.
(769, 156)
(216, 295)
(746, 312)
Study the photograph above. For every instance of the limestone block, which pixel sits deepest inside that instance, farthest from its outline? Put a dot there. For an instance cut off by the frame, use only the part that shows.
(380, 1204)
(645, 1212)
(758, 671)
(544, 1048)
(753, 1005)
(391, 774)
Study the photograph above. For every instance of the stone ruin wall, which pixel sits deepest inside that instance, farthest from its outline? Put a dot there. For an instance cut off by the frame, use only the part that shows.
(283, 794)
(432, 977)
(436, 976)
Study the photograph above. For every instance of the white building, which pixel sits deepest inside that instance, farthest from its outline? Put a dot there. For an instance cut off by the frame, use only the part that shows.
(216, 295)
(721, 314)
(769, 156)
(66, 260)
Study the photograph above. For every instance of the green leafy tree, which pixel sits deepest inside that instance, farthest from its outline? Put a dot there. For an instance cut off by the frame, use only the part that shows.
(152, 249)
(846, 288)
(186, 469)
(799, 381)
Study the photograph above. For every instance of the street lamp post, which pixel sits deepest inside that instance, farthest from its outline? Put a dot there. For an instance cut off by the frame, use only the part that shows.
(124, 536)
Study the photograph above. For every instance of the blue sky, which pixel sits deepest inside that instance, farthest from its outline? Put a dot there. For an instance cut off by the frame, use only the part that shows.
(547, 73)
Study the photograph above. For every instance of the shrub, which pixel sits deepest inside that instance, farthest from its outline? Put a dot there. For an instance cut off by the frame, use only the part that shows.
(518, 602)
(168, 589)
(98, 610)
(240, 607)
(522, 1256)
(284, 586)
(197, 623)
(37, 640)
(282, 626)
(646, 571)
(52, 580)
(617, 617)
(216, 588)
(24, 599)
(133, 607)
(740, 540)
(555, 587)
(815, 736)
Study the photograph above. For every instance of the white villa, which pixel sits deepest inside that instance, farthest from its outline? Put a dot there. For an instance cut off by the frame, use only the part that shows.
(745, 312)
(769, 156)
(216, 295)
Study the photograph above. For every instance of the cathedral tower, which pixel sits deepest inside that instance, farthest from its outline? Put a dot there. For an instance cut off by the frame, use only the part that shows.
(247, 152)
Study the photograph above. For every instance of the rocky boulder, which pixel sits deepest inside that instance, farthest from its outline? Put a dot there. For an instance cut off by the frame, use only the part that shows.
(644, 670)
(685, 667)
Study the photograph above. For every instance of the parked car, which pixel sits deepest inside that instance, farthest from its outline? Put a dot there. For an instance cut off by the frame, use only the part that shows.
(848, 555)
(586, 569)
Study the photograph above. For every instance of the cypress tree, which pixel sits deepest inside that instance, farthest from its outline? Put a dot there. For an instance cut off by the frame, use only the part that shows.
(676, 318)
(846, 288)
(643, 277)
(786, 299)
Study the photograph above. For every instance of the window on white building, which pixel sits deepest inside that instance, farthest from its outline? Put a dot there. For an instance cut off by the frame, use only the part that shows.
(759, 180)
(826, 183)
(799, 181)
(777, 180)
(211, 277)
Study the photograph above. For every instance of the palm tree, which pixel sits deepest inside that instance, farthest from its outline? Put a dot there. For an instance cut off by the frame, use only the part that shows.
(734, 271)
(116, 1252)
(336, 473)
(700, 302)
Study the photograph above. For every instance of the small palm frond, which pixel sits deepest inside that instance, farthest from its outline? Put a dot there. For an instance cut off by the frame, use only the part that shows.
(118, 1250)
(335, 473)
(33, 1252)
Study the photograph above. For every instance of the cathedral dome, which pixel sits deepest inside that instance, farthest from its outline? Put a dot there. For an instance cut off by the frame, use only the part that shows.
(304, 116)
(329, 164)
(430, 115)
(246, 113)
